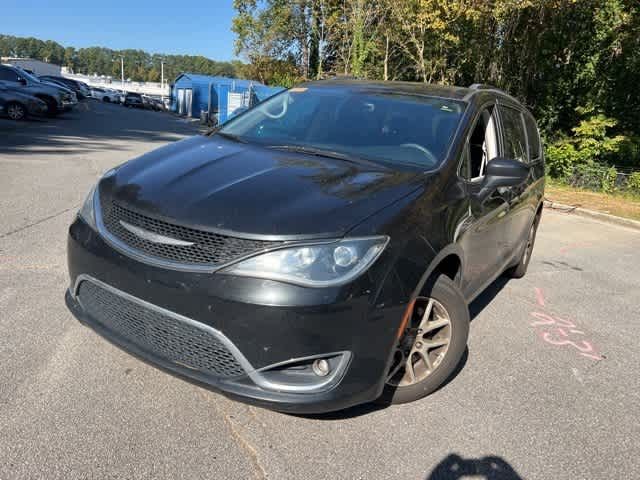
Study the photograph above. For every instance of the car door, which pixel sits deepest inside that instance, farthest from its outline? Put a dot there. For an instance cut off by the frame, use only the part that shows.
(9, 77)
(483, 235)
(514, 141)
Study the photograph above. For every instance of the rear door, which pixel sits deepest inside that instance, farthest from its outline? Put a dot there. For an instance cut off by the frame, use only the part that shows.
(9, 77)
(514, 141)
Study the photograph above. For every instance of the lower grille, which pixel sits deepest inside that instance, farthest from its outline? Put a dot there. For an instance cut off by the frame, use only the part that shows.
(157, 333)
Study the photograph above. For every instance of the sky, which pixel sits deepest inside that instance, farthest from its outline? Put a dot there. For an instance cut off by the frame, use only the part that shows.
(195, 27)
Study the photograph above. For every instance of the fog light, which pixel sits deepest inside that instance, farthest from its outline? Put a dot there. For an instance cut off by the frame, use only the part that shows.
(321, 367)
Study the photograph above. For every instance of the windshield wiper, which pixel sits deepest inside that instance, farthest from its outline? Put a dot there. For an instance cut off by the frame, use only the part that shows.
(319, 152)
(230, 136)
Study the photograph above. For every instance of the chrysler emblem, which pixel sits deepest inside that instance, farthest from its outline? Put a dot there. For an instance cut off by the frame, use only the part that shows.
(154, 237)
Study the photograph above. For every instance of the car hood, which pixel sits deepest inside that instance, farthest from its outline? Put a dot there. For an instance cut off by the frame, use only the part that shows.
(41, 87)
(217, 184)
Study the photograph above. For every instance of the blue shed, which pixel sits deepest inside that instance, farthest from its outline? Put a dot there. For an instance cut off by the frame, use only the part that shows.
(193, 93)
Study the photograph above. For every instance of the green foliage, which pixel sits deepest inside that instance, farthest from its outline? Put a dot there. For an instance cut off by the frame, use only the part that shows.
(582, 159)
(574, 63)
(561, 159)
(633, 182)
(608, 182)
(138, 64)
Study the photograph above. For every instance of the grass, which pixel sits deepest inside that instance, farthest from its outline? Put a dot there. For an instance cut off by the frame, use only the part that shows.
(619, 204)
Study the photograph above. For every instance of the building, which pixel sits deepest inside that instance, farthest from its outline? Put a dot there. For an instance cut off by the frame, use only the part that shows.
(192, 94)
(32, 65)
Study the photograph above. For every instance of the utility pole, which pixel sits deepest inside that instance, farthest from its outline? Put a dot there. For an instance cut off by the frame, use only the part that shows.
(162, 80)
(122, 73)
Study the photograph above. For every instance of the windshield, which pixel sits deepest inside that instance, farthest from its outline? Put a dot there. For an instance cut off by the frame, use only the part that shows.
(27, 75)
(376, 125)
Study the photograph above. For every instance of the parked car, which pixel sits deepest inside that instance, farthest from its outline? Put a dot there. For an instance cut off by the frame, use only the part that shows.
(86, 89)
(18, 106)
(58, 99)
(106, 95)
(319, 250)
(75, 86)
(133, 100)
(72, 94)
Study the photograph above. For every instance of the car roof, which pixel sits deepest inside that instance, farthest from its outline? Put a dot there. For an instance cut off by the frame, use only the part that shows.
(466, 94)
(414, 88)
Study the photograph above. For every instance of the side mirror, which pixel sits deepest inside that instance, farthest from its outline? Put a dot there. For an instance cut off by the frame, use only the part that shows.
(502, 172)
(22, 81)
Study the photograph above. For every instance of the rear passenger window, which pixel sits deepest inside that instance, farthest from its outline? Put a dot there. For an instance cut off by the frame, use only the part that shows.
(8, 74)
(515, 141)
(533, 137)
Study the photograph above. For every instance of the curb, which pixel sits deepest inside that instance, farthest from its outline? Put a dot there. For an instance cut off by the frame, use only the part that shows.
(583, 212)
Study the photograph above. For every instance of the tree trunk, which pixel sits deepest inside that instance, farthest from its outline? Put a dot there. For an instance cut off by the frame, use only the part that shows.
(386, 59)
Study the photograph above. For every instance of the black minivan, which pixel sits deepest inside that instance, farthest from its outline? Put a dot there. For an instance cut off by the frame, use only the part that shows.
(319, 250)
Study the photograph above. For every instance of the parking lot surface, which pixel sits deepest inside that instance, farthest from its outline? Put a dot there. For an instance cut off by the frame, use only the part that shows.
(550, 388)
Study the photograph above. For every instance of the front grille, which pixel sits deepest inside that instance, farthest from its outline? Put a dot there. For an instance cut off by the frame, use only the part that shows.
(159, 334)
(208, 248)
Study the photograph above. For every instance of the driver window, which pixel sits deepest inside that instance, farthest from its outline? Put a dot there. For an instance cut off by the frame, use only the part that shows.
(482, 146)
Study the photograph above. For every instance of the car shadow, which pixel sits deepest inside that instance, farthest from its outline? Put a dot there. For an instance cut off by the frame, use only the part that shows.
(454, 467)
(486, 297)
(91, 127)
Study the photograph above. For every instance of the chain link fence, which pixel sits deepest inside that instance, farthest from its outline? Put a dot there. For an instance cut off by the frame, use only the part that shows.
(605, 178)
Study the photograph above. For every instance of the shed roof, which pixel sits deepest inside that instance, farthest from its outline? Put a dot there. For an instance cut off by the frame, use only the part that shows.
(199, 78)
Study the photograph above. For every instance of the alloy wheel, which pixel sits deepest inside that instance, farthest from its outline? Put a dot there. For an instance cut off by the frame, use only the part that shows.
(15, 112)
(423, 346)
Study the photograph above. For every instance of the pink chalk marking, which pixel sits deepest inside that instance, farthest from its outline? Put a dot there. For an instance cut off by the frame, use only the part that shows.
(539, 296)
(594, 357)
(543, 319)
(560, 327)
(585, 348)
(565, 323)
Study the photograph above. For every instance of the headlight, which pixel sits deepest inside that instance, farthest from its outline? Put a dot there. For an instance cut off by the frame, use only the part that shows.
(319, 265)
(87, 211)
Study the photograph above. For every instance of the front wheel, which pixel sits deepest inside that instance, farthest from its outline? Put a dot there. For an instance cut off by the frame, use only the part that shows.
(432, 345)
(16, 111)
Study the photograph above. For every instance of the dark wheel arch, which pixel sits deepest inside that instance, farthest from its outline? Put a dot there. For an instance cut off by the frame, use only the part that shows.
(52, 105)
(449, 261)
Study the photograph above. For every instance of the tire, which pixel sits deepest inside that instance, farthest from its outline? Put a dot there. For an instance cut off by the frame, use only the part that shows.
(446, 294)
(106, 100)
(16, 111)
(520, 269)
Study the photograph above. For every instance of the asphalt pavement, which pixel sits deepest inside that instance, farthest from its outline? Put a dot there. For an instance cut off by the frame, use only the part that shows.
(550, 388)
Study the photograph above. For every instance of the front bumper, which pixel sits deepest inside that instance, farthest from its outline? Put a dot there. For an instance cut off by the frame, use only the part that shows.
(266, 322)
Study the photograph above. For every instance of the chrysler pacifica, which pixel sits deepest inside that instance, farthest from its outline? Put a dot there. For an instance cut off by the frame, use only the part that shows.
(319, 250)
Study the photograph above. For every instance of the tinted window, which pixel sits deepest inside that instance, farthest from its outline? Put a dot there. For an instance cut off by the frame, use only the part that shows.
(381, 126)
(8, 74)
(515, 143)
(28, 76)
(533, 137)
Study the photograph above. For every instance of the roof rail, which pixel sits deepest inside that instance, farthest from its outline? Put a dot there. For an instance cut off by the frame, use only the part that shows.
(482, 86)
